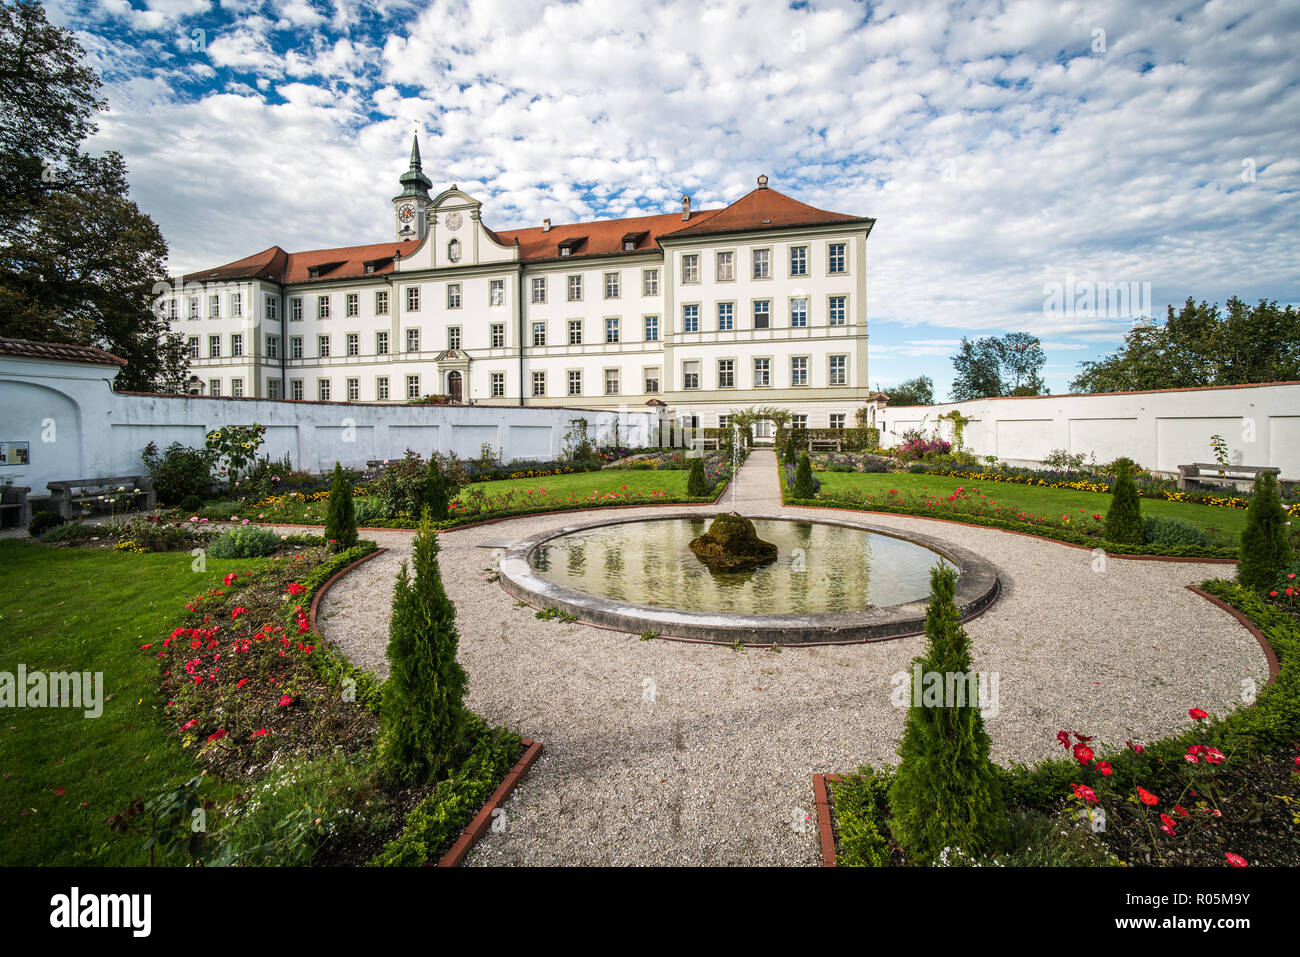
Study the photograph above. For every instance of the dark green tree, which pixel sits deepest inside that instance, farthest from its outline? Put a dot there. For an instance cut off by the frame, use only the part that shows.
(978, 366)
(341, 517)
(435, 490)
(803, 479)
(918, 391)
(1264, 547)
(422, 714)
(697, 485)
(1123, 521)
(79, 261)
(946, 793)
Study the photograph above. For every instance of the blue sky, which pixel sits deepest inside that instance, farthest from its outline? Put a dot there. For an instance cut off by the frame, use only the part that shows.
(1007, 150)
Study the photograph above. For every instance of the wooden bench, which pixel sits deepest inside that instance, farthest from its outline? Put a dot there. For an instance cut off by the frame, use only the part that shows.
(78, 494)
(825, 445)
(1216, 474)
(706, 444)
(13, 501)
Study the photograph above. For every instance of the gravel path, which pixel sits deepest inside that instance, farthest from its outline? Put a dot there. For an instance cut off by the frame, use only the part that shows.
(670, 753)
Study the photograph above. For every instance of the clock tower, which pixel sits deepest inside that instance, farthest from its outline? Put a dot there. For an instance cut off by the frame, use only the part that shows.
(412, 205)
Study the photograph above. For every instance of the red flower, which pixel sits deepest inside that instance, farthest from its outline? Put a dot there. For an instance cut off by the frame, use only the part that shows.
(260, 732)
(1215, 756)
(240, 610)
(1137, 748)
(1180, 810)
(229, 579)
(1082, 753)
(1235, 860)
(1105, 768)
(286, 701)
(241, 682)
(1085, 792)
(1146, 796)
(1198, 714)
(188, 724)
(217, 735)
(295, 589)
(1167, 820)
(1064, 738)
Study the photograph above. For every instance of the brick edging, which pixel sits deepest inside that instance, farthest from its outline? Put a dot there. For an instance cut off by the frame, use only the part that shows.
(329, 583)
(457, 853)
(1183, 559)
(825, 830)
(1273, 665)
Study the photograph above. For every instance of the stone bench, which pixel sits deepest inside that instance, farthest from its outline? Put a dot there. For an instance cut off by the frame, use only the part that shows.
(75, 495)
(1216, 474)
(13, 502)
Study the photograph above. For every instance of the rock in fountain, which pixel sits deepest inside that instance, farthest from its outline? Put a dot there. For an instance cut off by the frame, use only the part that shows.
(731, 544)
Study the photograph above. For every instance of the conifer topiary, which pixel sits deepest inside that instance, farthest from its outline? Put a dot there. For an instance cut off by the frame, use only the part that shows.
(422, 714)
(1124, 517)
(946, 793)
(697, 485)
(341, 518)
(1264, 547)
(435, 491)
(803, 479)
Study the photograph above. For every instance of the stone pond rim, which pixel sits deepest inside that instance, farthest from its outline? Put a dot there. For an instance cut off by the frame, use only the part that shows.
(977, 589)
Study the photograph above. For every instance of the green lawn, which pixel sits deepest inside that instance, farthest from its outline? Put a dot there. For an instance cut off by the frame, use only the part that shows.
(1049, 502)
(581, 484)
(65, 609)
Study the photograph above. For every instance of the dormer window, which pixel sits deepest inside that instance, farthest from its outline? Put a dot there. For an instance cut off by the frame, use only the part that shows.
(632, 240)
(370, 267)
(566, 250)
(629, 245)
(568, 247)
(453, 251)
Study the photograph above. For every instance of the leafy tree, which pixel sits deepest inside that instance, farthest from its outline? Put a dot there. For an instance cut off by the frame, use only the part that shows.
(78, 259)
(1198, 346)
(422, 713)
(918, 391)
(803, 479)
(1023, 360)
(1124, 517)
(992, 366)
(1264, 548)
(946, 793)
(697, 485)
(341, 518)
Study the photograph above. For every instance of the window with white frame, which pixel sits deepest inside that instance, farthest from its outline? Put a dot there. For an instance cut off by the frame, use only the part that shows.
(725, 267)
(798, 312)
(798, 260)
(611, 330)
(691, 268)
(171, 309)
(322, 307)
(726, 373)
(453, 295)
(539, 289)
(498, 335)
(724, 421)
(353, 390)
(762, 373)
(839, 370)
(726, 316)
(799, 370)
(236, 344)
(295, 347)
(574, 286)
(381, 302)
(539, 383)
(837, 420)
(453, 337)
(650, 282)
(651, 328)
(353, 344)
(837, 311)
(691, 374)
(381, 387)
(651, 381)
(412, 340)
(412, 298)
(194, 307)
(192, 347)
(323, 346)
(352, 304)
(611, 382)
(273, 388)
(799, 420)
(762, 313)
(498, 385)
(237, 309)
(273, 347)
(381, 343)
(295, 309)
(214, 347)
(835, 259)
(497, 292)
(575, 332)
(323, 390)
(762, 264)
(214, 307)
(214, 387)
(453, 251)
(539, 333)
(691, 318)
(575, 382)
(295, 389)
(613, 286)
(273, 308)
(412, 386)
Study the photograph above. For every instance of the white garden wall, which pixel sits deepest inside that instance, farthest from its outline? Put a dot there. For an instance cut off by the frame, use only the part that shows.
(1160, 430)
(75, 426)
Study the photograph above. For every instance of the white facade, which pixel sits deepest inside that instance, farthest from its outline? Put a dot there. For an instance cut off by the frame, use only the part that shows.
(760, 303)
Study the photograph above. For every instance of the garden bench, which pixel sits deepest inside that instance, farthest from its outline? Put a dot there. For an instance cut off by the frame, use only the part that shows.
(825, 445)
(1217, 474)
(706, 444)
(374, 467)
(13, 501)
(77, 494)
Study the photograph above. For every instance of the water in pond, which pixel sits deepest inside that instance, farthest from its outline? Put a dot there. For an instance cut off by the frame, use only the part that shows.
(820, 568)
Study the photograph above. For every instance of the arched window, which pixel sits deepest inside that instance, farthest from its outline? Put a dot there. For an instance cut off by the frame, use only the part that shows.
(453, 251)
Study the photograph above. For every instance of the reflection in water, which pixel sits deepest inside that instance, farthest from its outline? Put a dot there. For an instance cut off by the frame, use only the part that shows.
(821, 568)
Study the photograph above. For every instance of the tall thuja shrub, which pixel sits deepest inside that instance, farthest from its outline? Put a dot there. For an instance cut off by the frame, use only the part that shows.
(696, 484)
(435, 490)
(946, 793)
(341, 518)
(1124, 517)
(803, 479)
(1264, 548)
(422, 713)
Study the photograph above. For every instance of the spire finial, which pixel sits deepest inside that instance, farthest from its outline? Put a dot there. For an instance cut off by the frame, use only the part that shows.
(415, 150)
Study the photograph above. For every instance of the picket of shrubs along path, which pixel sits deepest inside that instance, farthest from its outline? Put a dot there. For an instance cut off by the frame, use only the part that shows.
(675, 753)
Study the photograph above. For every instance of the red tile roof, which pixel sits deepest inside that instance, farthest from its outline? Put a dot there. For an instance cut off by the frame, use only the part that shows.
(765, 208)
(604, 237)
(59, 352)
(276, 265)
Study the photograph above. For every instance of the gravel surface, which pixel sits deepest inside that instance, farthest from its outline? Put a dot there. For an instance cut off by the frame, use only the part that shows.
(663, 752)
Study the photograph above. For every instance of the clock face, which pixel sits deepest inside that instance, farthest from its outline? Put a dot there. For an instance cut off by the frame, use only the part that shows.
(406, 212)
(453, 221)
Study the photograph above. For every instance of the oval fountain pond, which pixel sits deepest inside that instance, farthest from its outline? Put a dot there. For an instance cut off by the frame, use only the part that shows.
(831, 581)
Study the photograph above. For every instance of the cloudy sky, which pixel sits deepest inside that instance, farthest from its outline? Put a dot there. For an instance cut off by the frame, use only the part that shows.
(1002, 147)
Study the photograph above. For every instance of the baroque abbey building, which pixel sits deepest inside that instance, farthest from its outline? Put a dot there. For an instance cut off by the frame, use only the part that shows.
(760, 303)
